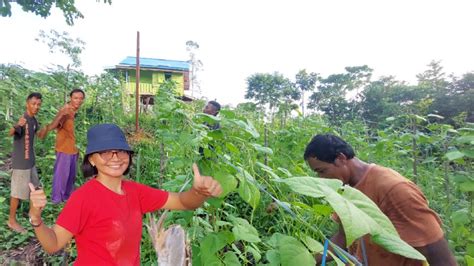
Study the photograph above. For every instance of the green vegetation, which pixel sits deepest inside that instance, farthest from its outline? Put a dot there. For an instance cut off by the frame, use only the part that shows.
(273, 210)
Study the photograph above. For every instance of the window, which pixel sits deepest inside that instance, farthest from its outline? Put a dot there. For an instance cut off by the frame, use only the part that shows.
(167, 75)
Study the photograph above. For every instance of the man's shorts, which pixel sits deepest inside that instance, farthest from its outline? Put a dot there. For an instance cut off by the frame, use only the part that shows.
(20, 180)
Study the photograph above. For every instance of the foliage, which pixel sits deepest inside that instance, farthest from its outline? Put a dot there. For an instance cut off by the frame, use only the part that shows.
(258, 221)
(43, 8)
(330, 96)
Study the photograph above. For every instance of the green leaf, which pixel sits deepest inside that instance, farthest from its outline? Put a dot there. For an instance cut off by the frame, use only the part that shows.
(214, 242)
(285, 171)
(364, 203)
(467, 186)
(313, 245)
(470, 249)
(268, 170)
(228, 182)
(247, 127)
(396, 245)
(230, 259)
(249, 193)
(4, 174)
(358, 214)
(469, 139)
(208, 118)
(273, 257)
(232, 148)
(311, 186)
(255, 253)
(435, 116)
(216, 134)
(244, 231)
(291, 251)
(468, 152)
(262, 149)
(460, 217)
(453, 155)
(469, 260)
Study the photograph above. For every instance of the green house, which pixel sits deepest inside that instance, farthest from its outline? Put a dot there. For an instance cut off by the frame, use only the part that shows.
(153, 72)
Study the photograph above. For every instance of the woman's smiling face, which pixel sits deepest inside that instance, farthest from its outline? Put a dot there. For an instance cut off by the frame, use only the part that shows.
(112, 163)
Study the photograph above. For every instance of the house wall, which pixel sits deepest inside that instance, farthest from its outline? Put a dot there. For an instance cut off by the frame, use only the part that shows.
(154, 79)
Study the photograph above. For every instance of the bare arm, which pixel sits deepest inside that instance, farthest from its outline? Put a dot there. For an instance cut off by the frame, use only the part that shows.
(438, 253)
(203, 188)
(59, 118)
(51, 239)
(56, 123)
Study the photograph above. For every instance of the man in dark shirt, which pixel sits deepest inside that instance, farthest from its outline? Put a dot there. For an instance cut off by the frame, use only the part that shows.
(212, 108)
(23, 157)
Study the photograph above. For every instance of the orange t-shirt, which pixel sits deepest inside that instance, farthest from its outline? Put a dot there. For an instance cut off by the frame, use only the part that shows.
(406, 207)
(65, 138)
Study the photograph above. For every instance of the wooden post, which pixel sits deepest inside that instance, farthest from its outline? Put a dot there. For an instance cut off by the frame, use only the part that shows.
(137, 83)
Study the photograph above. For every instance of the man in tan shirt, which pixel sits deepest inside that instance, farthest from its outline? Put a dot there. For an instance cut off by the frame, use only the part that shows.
(397, 197)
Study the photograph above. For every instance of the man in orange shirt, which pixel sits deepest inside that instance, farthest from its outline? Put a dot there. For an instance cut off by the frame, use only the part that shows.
(397, 197)
(65, 167)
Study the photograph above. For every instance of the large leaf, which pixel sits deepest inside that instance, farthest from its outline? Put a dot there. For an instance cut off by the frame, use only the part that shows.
(249, 193)
(247, 127)
(262, 149)
(311, 186)
(214, 242)
(290, 251)
(358, 214)
(396, 245)
(364, 203)
(227, 181)
(453, 155)
(230, 259)
(244, 231)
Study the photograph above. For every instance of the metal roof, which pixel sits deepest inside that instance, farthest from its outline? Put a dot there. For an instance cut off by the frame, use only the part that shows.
(156, 63)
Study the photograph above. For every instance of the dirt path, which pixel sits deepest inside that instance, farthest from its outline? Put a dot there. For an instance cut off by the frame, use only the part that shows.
(28, 254)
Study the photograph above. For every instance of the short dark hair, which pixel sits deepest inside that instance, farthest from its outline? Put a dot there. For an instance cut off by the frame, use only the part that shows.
(77, 90)
(327, 147)
(36, 95)
(90, 171)
(216, 105)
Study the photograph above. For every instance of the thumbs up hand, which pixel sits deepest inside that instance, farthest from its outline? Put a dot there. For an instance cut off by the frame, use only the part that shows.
(205, 185)
(38, 201)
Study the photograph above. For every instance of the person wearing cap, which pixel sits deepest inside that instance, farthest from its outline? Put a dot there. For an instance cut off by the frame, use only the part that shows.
(65, 166)
(105, 214)
(397, 197)
(23, 158)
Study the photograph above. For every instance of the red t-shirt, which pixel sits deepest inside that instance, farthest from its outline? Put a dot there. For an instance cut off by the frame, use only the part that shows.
(108, 226)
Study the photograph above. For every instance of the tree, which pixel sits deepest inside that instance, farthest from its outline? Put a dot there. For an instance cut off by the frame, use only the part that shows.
(65, 44)
(69, 76)
(376, 103)
(455, 102)
(331, 96)
(305, 82)
(272, 91)
(433, 78)
(196, 66)
(43, 8)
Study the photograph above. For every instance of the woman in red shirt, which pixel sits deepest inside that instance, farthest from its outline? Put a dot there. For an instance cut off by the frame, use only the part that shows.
(105, 214)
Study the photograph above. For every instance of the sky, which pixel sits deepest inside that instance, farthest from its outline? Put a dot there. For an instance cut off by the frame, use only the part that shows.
(241, 38)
